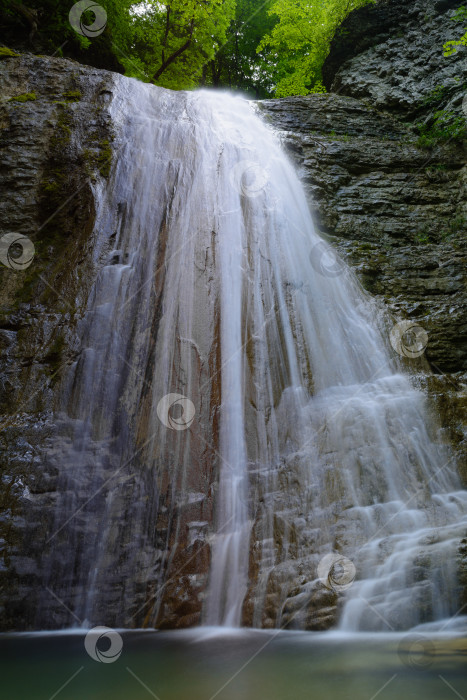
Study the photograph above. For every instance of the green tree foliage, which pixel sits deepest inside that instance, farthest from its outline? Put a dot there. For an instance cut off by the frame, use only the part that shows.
(167, 43)
(238, 65)
(450, 47)
(42, 26)
(171, 42)
(301, 40)
(260, 47)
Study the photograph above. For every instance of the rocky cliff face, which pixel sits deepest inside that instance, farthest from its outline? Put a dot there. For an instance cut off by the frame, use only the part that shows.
(54, 146)
(395, 210)
(57, 147)
(391, 54)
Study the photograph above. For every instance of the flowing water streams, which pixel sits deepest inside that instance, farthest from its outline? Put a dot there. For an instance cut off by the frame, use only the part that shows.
(289, 437)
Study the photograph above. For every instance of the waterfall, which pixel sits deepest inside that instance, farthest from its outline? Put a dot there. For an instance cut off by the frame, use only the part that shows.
(238, 441)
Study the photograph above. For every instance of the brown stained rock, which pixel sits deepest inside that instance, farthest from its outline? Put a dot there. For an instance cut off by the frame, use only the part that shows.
(312, 607)
(182, 606)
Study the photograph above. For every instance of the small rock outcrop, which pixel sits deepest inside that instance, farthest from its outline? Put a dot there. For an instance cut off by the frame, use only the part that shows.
(392, 54)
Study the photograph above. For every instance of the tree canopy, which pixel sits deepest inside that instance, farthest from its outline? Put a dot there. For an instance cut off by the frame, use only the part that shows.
(239, 64)
(43, 26)
(260, 47)
(171, 42)
(301, 40)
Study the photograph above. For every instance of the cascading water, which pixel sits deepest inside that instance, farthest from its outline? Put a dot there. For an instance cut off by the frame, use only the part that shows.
(297, 436)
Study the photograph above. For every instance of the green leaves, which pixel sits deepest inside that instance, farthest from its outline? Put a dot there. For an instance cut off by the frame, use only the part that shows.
(172, 41)
(302, 38)
(446, 126)
(450, 47)
(166, 42)
(238, 64)
(460, 15)
(260, 47)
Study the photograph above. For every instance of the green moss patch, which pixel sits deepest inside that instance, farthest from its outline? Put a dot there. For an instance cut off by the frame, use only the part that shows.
(72, 95)
(26, 97)
(62, 133)
(447, 126)
(7, 53)
(104, 159)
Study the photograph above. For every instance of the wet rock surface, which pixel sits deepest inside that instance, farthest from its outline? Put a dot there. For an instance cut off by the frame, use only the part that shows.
(392, 54)
(395, 212)
(51, 149)
(56, 152)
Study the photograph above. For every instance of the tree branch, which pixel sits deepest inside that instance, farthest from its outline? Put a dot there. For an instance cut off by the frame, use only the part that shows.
(176, 54)
(166, 34)
(30, 15)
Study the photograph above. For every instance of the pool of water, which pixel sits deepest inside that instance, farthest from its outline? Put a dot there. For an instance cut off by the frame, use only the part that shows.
(209, 663)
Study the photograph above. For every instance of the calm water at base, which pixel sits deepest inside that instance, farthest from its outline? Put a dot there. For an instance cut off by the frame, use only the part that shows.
(207, 663)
